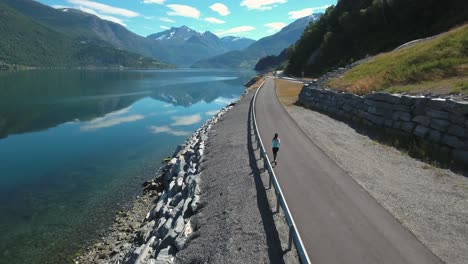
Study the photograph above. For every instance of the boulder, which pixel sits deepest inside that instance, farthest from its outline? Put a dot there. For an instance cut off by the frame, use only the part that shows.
(145, 252)
(189, 228)
(401, 108)
(440, 124)
(421, 131)
(404, 116)
(457, 119)
(145, 232)
(179, 225)
(180, 242)
(187, 210)
(169, 239)
(422, 120)
(438, 114)
(407, 100)
(453, 142)
(176, 199)
(407, 126)
(164, 229)
(461, 156)
(195, 203)
(384, 97)
(164, 256)
(132, 256)
(434, 136)
(457, 130)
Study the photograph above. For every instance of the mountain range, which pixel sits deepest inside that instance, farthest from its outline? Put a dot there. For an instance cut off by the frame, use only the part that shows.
(34, 34)
(271, 45)
(185, 46)
(37, 35)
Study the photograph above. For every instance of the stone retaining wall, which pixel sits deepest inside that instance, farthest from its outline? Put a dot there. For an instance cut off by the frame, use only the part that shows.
(439, 124)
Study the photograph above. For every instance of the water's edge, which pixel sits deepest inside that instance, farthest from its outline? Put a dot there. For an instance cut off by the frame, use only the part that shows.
(158, 220)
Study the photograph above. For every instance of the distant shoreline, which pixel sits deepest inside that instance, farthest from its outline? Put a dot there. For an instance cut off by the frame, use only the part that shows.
(5, 67)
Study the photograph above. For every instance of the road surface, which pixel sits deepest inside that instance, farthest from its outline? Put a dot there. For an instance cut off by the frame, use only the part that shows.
(339, 222)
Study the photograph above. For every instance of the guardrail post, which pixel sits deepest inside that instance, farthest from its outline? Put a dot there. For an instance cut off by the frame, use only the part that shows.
(278, 199)
(291, 234)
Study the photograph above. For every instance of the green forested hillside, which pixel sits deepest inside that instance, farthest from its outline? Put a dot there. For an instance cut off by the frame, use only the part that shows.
(26, 42)
(273, 62)
(354, 29)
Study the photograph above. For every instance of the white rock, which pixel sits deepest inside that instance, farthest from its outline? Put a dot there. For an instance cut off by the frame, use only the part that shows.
(145, 253)
(188, 230)
(179, 225)
(180, 182)
(164, 256)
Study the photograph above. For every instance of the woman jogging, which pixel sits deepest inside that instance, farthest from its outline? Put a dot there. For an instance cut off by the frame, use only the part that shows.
(276, 142)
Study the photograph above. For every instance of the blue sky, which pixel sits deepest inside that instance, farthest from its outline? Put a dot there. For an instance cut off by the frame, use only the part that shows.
(248, 18)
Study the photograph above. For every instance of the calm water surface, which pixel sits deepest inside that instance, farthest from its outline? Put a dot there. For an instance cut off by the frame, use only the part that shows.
(75, 147)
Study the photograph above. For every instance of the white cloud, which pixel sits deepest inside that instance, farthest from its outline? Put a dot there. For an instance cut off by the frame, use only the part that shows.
(183, 10)
(164, 27)
(154, 1)
(222, 101)
(105, 9)
(220, 9)
(102, 16)
(110, 120)
(168, 130)
(236, 30)
(274, 26)
(186, 120)
(166, 19)
(60, 6)
(261, 4)
(211, 113)
(214, 20)
(305, 12)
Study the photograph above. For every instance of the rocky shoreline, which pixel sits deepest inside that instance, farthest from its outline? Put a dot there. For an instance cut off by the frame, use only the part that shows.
(160, 222)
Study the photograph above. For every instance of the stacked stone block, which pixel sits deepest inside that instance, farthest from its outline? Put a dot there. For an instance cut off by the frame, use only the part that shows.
(440, 123)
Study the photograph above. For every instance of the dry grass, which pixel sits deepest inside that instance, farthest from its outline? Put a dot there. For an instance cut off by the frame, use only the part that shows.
(257, 84)
(422, 67)
(287, 91)
(446, 86)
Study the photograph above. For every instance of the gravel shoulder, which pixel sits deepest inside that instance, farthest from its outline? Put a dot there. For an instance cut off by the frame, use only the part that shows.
(431, 202)
(234, 224)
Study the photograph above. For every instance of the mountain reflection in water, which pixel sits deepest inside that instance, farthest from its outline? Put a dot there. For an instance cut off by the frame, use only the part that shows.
(36, 100)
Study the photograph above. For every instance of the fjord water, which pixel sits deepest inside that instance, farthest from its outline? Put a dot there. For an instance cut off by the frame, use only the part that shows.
(75, 147)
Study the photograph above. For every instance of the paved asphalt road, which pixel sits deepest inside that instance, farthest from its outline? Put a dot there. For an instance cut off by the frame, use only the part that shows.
(338, 220)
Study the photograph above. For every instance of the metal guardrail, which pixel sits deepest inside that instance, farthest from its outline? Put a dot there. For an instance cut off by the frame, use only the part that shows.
(293, 232)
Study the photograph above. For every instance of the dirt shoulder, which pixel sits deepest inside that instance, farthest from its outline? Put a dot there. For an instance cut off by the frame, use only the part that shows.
(235, 224)
(431, 202)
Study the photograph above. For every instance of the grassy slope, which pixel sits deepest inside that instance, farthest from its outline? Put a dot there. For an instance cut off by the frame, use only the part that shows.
(439, 66)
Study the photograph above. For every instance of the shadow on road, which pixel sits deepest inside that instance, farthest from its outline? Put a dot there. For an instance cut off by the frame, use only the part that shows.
(275, 251)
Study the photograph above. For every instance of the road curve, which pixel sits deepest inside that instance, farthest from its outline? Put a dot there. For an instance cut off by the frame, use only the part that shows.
(338, 220)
